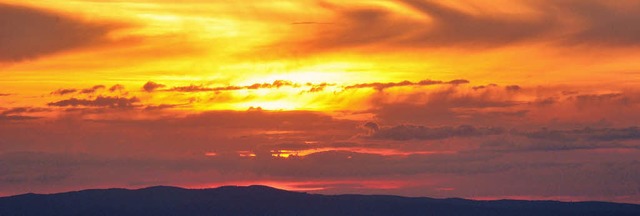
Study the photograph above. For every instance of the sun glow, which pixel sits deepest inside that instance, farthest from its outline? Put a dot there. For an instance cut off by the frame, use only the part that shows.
(269, 105)
(384, 152)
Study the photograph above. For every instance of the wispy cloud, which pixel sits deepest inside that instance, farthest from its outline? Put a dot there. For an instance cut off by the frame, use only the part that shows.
(30, 32)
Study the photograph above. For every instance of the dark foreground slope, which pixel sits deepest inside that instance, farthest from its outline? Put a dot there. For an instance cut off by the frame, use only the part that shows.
(261, 200)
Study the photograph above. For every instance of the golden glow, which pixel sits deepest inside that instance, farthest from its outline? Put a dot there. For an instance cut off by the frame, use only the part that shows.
(315, 185)
(246, 154)
(179, 46)
(216, 44)
(383, 152)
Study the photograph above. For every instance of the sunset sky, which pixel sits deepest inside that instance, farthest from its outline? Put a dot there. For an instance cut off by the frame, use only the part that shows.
(523, 99)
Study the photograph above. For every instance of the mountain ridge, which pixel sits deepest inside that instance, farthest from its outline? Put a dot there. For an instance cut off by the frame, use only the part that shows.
(264, 200)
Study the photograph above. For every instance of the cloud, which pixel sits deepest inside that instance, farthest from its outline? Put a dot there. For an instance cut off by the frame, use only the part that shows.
(28, 33)
(17, 113)
(120, 132)
(275, 84)
(4, 94)
(313, 87)
(484, 86)
(448, 106)
(160, 107)
(318, 87)
(437, 25)
(455, 27)
(152, 86)
(73, 153)
(381, 86)
(62, 92)
(413, 132)
(545, 101)
(66, 91)
(116, 87)
(589, 99)
(200, 88)
(586, 134)
(513, 88)
(100, 101)
(500, 140)
(194, 88)
(372, 126)
(447, 26)
(604, 22)
(17, 117)
(20, 110)
(92, 89)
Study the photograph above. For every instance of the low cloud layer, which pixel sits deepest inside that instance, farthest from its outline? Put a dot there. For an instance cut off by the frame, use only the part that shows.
(247, 146)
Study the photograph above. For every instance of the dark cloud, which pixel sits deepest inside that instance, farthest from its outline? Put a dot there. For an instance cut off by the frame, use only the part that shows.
(152, 86)
(586, 134)
(275, 84)
(604, 22)
(545, 101)
(160, 107)
(600, 98)
(512, 88)
(318, 87)
(4, 94)
(20, 110)
(458, 82)
(372, 126)
(191, 88)
(17, 117)
(382, 86)
(201, 88)
(411, 132)
(611, 134)
(29, 33)
(116, 87)
(539, 106)
(313, 87)
(18, 113)
(92, 89)
(484, 86)
(100, 101)
(448, 106)
(64, 91)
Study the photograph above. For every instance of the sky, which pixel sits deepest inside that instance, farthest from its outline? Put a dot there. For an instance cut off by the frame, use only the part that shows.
(501, 99)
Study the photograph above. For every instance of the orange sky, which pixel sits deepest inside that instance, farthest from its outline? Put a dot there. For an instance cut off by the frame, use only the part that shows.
(424, 95)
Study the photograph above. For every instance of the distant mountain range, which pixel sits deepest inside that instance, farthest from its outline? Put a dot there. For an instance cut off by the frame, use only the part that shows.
(262, 200)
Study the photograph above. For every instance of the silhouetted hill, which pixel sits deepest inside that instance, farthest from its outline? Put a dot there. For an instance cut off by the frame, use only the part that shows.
(262, 200)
